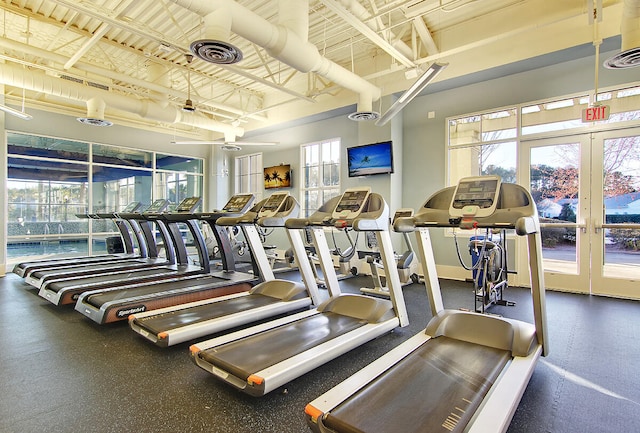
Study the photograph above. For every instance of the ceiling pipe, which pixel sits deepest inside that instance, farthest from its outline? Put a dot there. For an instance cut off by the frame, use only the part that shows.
(629, 55)
(162, 88)
(150, 110)
(95, 113)
(284, 42)
(357, 16)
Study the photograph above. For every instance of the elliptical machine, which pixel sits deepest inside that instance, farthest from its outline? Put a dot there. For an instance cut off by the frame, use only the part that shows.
(488, 269)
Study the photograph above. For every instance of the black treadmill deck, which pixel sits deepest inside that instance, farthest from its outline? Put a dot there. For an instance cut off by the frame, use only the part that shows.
(176, 319)
(103, 296)
(436, 388)
(249, 355)
(114, 278)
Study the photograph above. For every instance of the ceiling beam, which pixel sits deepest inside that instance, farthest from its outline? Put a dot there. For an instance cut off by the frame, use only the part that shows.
(368, 32)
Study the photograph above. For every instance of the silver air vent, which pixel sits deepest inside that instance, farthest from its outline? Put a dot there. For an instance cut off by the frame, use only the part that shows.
(625, 59)
(362, 116)
(231, 147)
(219, 52)
(94, 122)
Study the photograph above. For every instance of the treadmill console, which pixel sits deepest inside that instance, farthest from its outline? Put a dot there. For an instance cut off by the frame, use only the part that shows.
(188, 205)
(402, 213)
(158, 206)
(475, 197)
(351, 203)
(273, 205)
(132, 207)
(238, 203)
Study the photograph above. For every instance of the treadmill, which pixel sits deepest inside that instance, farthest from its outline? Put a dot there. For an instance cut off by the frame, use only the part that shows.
(114, 304)
(175, 251)
(25, 268)
(467, 371)
(62, 291)
(173, 325)
(261, 358)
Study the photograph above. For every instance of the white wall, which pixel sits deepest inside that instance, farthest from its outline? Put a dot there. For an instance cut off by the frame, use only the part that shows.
(419, 142)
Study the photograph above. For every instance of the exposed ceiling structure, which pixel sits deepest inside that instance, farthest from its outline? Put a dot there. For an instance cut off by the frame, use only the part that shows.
(140, 62)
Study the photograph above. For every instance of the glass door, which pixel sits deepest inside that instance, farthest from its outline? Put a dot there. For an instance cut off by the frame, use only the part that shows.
(559, 185)
(587, 190)
(615, 212)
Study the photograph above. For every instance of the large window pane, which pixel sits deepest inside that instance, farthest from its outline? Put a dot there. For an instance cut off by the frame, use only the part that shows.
(44, 197)
(175, 187)
(558, 115)
(179, 163)
(114, 188)
(554, 187)
(494, 126)
(498, 158)
(46, 147)
(621, 174)
(121, 156)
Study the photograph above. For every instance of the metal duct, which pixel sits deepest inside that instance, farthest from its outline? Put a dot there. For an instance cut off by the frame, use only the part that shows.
(629, 56)
(95, 113)
(39, 82)
(285, 42)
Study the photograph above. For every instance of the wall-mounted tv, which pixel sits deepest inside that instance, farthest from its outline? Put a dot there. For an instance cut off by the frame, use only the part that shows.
(278, 176)
(368, 159)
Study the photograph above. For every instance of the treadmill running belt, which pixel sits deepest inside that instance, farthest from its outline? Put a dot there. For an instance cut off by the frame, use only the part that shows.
(101, 297)
(249, 355)
(117, 278)
(105, 267)
(437, 388)
(175, 319)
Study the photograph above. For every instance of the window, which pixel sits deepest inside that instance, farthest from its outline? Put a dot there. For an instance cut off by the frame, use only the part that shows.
(487, 143)
(249, 175)
(51, 181)
(483, 144)
(320, 173)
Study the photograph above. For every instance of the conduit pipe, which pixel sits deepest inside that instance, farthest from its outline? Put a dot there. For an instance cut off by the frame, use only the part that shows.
(161, 88)
(630, 25)
(285, 42)
(629, 56)
(39, 82)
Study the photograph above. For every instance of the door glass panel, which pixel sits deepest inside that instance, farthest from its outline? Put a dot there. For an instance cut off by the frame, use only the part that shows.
(621, 176)
(555, 188)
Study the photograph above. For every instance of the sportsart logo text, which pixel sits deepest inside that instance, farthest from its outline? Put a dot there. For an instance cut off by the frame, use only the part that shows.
(126, 312)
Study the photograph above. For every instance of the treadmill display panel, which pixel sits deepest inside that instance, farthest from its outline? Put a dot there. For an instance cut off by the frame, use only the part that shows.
(273, 204)
(188, 205)
(238, 203)
(157, 206)
(402, 213)
(475, 196)
(351, 203)
(132, 207)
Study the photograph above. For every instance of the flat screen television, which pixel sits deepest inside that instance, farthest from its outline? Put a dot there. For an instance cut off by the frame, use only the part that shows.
(368, 159)
(278, 176)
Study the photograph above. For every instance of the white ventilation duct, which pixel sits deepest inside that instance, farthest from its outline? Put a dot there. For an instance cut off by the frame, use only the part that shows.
(95, 113)
(629, 55)
(160, 112)
(286, 41)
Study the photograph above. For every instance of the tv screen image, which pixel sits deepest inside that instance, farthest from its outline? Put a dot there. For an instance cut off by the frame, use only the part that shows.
(278, 176)
(370, 159)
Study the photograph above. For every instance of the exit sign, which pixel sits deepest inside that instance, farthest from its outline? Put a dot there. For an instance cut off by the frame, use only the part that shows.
(595, 114)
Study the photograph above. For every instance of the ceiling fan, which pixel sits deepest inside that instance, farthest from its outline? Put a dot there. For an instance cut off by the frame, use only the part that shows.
(231, 146)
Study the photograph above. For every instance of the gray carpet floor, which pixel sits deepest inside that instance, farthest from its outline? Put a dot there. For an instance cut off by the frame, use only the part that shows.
(62, 372)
